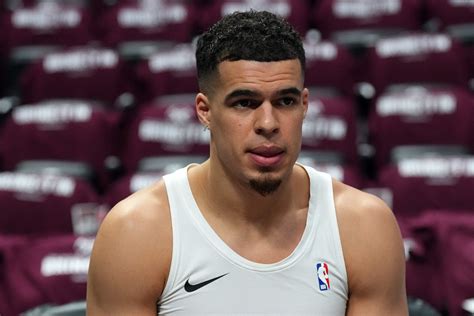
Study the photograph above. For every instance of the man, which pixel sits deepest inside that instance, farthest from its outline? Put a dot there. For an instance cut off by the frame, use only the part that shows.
(249, 231)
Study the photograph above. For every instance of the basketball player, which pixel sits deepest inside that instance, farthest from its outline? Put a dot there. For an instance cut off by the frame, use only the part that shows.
(249, 231)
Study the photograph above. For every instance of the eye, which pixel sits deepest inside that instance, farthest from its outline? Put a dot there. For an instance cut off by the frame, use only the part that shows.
(245, 103)
(286, 101)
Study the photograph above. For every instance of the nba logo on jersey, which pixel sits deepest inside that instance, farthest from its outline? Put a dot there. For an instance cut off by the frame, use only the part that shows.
(323, 276)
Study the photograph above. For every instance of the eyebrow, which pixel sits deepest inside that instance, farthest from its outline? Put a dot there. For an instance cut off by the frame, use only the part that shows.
(251, 93)
(241, 93)
(292, 90)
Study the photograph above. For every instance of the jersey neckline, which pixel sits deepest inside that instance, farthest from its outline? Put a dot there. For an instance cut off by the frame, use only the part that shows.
(231, 255)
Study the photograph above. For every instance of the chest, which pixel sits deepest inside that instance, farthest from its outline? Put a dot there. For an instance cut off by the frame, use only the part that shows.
(264, 245)
(218, 288)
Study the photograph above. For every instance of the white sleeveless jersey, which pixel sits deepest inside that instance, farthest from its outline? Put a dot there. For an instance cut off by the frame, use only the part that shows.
(208, 278)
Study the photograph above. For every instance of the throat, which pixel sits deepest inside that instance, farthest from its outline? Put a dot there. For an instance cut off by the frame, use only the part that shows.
(264, 224)
(266, 243)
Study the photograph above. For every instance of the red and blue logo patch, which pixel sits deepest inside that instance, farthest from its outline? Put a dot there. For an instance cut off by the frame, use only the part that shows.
(323, 276)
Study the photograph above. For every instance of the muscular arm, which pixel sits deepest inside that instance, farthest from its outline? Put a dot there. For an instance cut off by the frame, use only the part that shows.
(130, 259)
(373, 251)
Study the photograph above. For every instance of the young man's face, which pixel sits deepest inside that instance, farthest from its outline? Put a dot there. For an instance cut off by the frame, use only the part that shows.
(255, 115)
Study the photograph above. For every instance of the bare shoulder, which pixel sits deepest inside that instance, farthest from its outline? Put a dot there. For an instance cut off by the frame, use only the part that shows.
(365, 223)
(355, 207)
(373, 253)
(132, 254)
(148, 207)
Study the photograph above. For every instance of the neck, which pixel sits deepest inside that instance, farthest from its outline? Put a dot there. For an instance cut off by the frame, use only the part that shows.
(233, 200)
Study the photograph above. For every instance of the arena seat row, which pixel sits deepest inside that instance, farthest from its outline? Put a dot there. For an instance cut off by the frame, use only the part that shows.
(102, 74)
(136, 29)
(427, 180)
(166, 126)
(439, 99)
(146, 20)
(414, 115)
(35, 203)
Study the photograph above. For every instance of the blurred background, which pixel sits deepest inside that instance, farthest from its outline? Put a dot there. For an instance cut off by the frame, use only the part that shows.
(96, 102)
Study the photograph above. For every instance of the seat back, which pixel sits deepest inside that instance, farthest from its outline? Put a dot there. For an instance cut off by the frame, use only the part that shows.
(166, 127)
(329, 66)
(130, 22)
(417, 58)
(49, 270)
(451, 13)
(41, 131)
(87, 73)
(41, 203)
(48, 23)
(429, 182)
(345, 173)
(420, 116)
(360, 23)
(295, 11)
(440, 242)
(330, 125)
(159, 73)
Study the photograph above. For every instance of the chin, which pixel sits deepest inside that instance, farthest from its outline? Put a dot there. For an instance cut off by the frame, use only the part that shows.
(265, 185)
(267, 169)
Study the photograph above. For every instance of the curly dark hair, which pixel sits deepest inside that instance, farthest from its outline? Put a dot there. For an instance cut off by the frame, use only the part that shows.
(252, 35)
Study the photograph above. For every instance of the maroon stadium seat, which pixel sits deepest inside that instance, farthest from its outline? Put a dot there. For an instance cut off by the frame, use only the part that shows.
(46, 270)
(362, 22)
(167, 126)
(454, 16)
(42, 203)
(77, 73)
(423, 261)
(151, 170)
(74, 131)
(421, 116)
(418, 58)
(160, 73)
(48, 23)
(128, 185)
(141, 21)
(429, 182)
(458, 233)
(295, 11)
(8, 244)
(440, 258)
(330, 125)
(347, 174)
(469, 49)
(329, 66)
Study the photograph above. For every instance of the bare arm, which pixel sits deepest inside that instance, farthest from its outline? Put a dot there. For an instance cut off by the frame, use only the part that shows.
(373, 251)
(131, 257)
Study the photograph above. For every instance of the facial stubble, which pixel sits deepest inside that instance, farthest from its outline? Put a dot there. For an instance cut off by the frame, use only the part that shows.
(265, 184)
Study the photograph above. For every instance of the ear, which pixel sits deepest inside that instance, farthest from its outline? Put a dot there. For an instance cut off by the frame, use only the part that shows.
(305, 100)
(203, 109)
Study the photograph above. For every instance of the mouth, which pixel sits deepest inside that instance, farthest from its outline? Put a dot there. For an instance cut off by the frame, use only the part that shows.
(266, 156)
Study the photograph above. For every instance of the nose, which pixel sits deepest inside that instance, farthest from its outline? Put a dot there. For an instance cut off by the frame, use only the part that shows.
(266, 121)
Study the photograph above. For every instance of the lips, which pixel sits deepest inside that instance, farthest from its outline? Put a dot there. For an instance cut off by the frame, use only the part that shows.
(267, 156)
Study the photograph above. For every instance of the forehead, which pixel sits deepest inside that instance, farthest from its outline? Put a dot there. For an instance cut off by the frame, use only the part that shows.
(259, 76)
